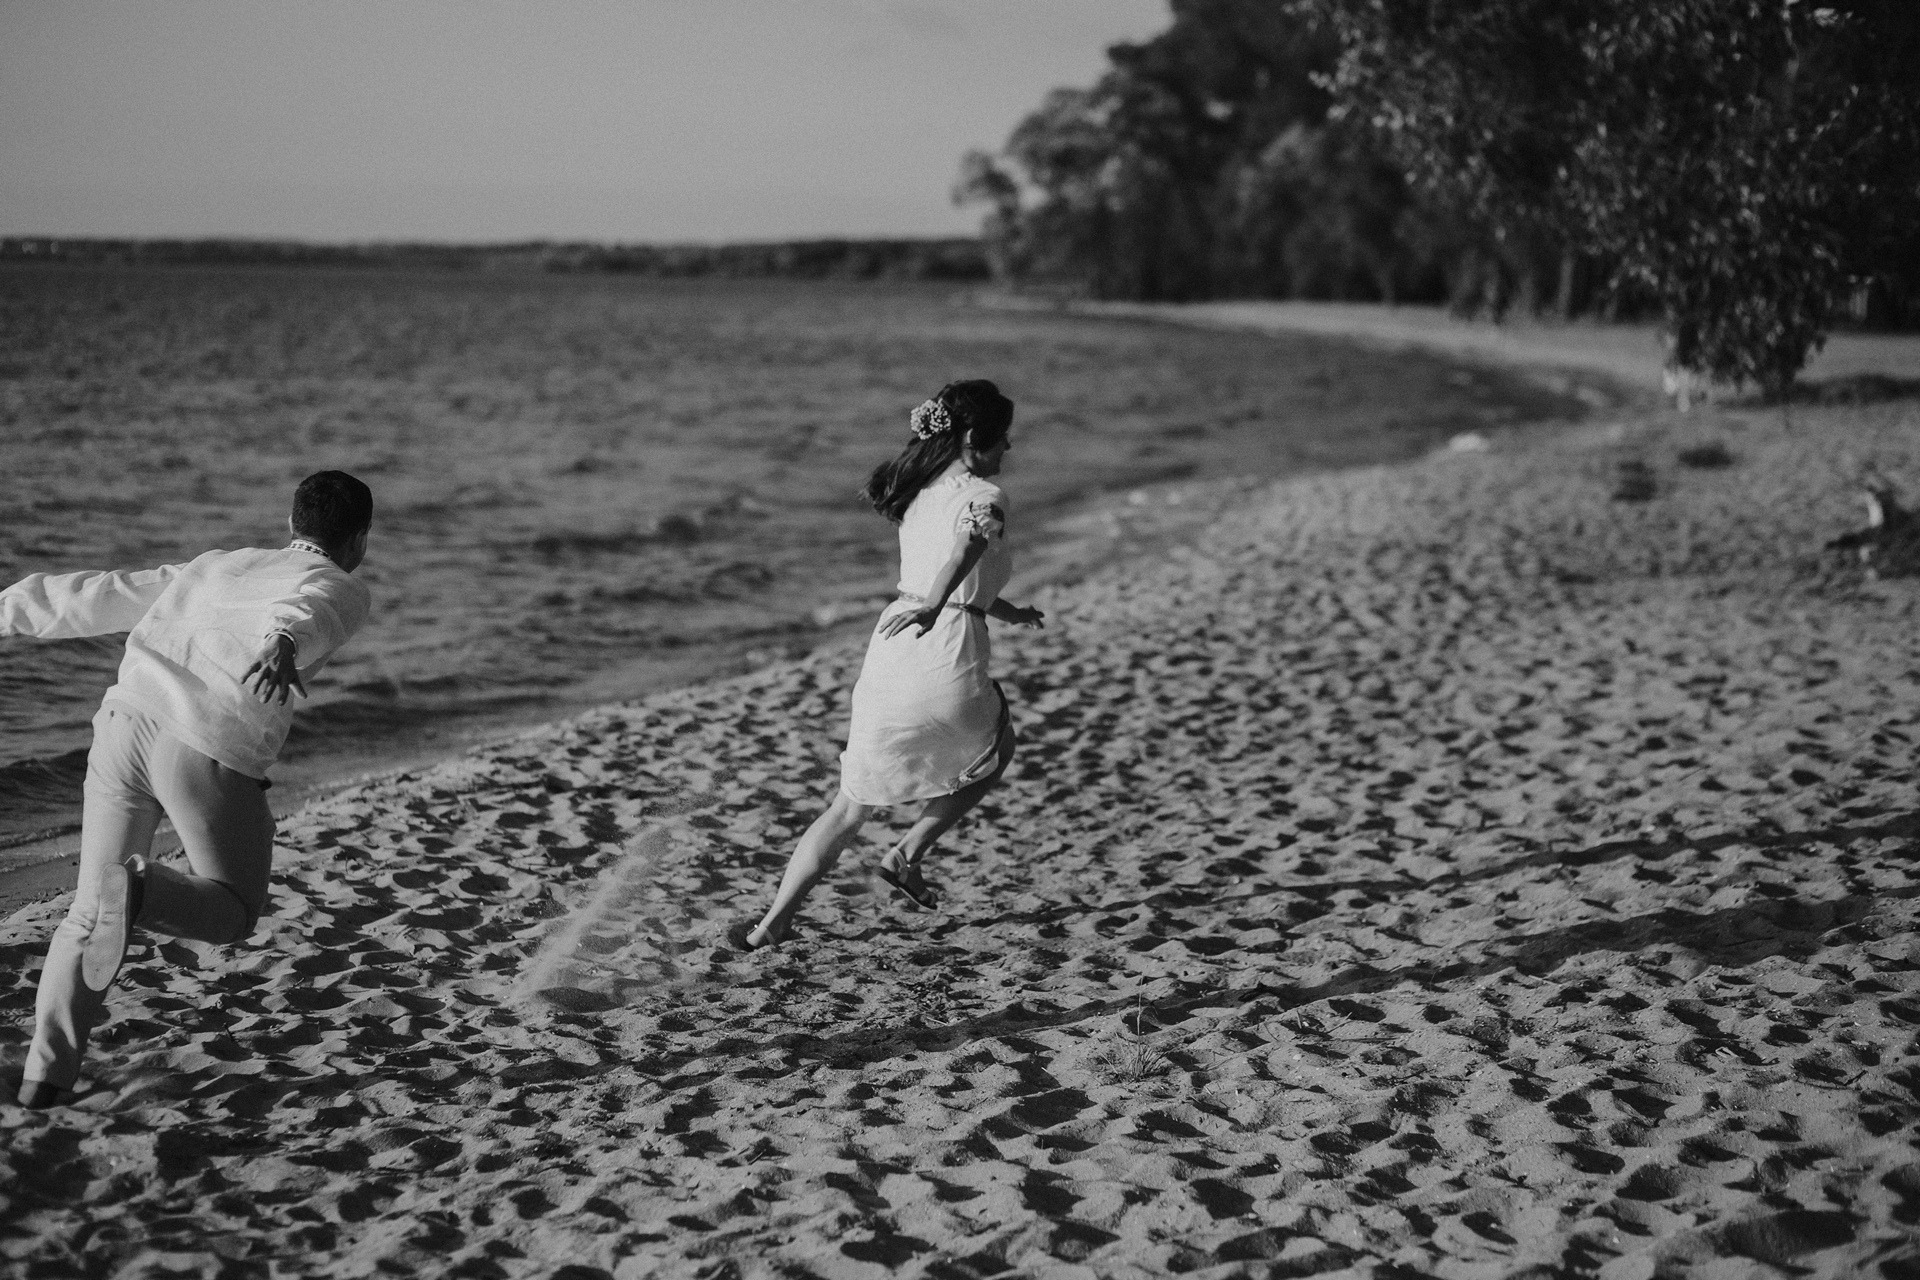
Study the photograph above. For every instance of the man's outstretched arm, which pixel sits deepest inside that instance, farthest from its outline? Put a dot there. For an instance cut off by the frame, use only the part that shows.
(63, 606)
(302, 633)
(318, 619)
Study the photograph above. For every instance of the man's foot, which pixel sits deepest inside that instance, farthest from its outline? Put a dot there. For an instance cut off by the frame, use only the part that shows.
(106, 946)
(907, 881)
(38, 1095)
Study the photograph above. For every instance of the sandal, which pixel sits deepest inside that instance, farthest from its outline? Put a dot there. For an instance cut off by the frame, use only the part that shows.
(912, 885)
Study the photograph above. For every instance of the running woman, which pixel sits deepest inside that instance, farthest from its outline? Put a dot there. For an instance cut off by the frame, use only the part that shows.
(930, 727)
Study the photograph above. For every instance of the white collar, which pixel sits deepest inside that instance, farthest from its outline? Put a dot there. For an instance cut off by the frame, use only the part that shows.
(302, 544)
(955, 475)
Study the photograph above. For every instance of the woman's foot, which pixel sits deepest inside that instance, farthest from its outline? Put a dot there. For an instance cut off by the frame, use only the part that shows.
(744, 937)
(905, 879)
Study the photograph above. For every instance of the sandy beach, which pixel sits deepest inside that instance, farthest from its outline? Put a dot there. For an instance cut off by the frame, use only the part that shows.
(1440, 869)
(1629, 354)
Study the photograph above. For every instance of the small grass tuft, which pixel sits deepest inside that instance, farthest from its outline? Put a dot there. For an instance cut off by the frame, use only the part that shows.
(1706, 457)
(1134, 1058)
(1634, 482)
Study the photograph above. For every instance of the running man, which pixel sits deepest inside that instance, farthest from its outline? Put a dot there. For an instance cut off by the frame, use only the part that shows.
(198, 715)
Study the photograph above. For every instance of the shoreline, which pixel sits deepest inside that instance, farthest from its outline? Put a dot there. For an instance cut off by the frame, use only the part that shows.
(1077, 537)
(1087, 535)
(1627, 356)
(1630, 354)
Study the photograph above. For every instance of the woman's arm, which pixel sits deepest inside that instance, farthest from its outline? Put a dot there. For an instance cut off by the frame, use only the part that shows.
(965, 555)
(1019, 615)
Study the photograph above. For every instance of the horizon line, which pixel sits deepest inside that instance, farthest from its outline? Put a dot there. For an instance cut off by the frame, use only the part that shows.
(16, 240)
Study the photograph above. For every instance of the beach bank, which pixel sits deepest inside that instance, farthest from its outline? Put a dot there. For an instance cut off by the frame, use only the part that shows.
(1443, 867)
(1630, 354)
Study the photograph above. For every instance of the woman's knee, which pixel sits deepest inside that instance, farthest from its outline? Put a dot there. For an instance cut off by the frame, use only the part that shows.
(847, 814)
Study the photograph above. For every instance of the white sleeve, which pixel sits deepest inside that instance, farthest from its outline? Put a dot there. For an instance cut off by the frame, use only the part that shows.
(62, 606)
(984, 517)
(320, 618)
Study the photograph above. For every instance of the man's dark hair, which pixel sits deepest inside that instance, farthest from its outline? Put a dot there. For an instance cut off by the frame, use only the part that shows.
(331, 507)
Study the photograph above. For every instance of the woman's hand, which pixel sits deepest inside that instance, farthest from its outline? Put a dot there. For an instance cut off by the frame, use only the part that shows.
(923, 618)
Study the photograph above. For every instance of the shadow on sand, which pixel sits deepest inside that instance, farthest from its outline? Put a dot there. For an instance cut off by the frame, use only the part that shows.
(1904, 825)
(1732, 938)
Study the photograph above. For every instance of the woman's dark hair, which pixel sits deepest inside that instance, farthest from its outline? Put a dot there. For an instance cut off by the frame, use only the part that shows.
(330, 507)
(981, 415)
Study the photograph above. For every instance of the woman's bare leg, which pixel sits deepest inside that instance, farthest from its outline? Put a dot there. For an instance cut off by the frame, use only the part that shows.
(934, 821)
(942, 812)
(812, 858)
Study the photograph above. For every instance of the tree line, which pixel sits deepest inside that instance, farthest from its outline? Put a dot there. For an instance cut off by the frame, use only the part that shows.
(1748, 171)
(955, 258)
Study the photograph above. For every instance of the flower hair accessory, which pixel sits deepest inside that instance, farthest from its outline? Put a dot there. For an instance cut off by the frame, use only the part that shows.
(930, 419)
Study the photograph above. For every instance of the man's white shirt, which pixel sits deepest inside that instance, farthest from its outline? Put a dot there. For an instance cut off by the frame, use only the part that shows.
(194, 629)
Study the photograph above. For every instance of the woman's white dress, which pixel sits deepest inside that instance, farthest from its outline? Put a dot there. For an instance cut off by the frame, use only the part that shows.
(927, 719)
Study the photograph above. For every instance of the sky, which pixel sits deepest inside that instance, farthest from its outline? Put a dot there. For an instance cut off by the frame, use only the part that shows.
(486, 120)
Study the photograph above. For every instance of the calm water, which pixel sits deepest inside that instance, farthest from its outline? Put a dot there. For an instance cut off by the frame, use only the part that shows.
(585, 485)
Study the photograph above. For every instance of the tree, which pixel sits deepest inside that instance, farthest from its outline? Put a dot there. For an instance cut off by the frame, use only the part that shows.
(1201, 163)
(1743, 162)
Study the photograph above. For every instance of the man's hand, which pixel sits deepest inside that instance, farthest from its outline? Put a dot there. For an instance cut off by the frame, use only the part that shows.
(275, 671)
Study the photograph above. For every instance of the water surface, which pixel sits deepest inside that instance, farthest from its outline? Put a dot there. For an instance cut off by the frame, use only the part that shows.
(586, 485)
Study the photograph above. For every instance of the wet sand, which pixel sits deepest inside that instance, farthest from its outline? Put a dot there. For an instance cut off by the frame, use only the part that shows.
(1438, 869)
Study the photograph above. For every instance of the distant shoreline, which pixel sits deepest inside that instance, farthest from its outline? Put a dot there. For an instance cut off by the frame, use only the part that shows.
(956, 258)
